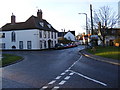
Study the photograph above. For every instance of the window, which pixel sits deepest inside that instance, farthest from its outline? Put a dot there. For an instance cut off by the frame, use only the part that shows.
(2, 45)
(40, 44)
(20, 44)
(48, 34)
(55, 42)
(51, 34)
(51, 43)
(42, 24)
(2, 35)
(55, 35)
(29, 44)
(45, 44)
(13, 37)
(49, 25)
(44, 34)
(40, 34)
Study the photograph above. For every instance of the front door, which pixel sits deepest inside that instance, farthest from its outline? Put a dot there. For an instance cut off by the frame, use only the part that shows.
(49, 43)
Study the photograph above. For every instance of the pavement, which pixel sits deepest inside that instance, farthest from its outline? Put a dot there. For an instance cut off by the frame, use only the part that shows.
(102, 59)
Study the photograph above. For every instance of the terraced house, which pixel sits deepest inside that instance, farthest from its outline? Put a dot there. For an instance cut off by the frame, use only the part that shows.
(34, 33)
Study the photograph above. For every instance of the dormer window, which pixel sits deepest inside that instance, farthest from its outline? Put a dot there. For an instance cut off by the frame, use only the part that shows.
(42, 24)
(49, 25)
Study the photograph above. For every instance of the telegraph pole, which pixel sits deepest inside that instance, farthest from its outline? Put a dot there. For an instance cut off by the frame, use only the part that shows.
(91, 19)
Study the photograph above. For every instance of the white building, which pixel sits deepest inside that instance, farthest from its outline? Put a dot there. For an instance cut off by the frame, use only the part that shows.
(119, 14)
(35, 33)
(70, 36)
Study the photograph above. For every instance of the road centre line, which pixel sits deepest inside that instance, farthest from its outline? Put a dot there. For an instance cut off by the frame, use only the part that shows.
(86, 77)
(62, 82)
(55, 88)
(58, 77)
(44, 87)
(74, 63)
(67, 77)
(62, 74)
(71, 74)
(52, 82)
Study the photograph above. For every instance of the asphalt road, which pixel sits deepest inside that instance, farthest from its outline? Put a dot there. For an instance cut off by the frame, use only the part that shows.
(59, 69)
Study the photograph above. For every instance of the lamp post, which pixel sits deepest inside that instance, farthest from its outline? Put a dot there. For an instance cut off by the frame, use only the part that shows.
(86, 22)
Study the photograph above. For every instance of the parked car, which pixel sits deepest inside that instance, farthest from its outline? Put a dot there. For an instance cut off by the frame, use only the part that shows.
(59, 46)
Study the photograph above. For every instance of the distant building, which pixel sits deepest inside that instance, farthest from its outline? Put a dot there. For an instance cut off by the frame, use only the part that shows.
(70, 35)
(34, 33)
(119, 14)
(110, 35)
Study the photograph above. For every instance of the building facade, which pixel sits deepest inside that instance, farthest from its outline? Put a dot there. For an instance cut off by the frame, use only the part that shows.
(35, 33)
(70, 35)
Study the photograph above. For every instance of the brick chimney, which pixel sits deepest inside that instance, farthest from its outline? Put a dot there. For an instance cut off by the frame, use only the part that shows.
(13, 19)
(39, 15)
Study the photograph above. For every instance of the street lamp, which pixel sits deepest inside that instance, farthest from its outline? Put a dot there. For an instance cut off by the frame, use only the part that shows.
(86, 22)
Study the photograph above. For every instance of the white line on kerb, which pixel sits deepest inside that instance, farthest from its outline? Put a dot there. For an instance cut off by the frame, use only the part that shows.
(86, 77)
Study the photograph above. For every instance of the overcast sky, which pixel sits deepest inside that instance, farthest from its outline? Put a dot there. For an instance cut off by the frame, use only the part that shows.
(61, 14)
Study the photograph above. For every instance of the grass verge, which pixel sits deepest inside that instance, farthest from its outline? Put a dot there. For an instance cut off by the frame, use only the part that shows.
(107, 52)
(9, 59)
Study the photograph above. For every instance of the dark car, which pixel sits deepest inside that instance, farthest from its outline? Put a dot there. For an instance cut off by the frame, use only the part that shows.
(59, 46)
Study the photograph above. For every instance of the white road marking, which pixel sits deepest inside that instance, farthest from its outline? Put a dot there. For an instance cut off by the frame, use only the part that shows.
(62, 82)
(62, 74)
(55, 88)
(52, 82)
(66, 70)
(71, 74)
(67, 77)
(86, 77)
(44, 87)
(74, 63)
(58, 77)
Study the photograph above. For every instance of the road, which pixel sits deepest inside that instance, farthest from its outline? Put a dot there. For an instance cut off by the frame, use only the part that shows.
(59, 69)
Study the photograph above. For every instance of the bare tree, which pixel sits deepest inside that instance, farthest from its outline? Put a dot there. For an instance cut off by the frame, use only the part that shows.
(106, 16)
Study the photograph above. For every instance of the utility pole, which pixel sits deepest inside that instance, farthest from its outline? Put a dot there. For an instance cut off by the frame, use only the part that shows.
(91, 19)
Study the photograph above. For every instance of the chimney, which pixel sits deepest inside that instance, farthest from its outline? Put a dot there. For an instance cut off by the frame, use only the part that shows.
(13, 19)
(39, 15)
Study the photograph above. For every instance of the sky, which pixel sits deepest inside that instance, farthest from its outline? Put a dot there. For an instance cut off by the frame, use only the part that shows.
(61, 14)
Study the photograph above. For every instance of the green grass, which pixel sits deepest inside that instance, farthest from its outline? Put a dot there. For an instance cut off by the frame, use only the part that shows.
(8, 59)
(108, 52)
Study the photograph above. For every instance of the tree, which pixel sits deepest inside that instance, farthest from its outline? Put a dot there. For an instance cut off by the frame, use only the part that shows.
(106, 16)
(103, 19)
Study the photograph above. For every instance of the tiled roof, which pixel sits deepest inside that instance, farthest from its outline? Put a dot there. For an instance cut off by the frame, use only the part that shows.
(31, 23)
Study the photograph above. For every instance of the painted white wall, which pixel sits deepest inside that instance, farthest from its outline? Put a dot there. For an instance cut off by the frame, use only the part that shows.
(69, 36)
(27, 35)
(21, 35)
